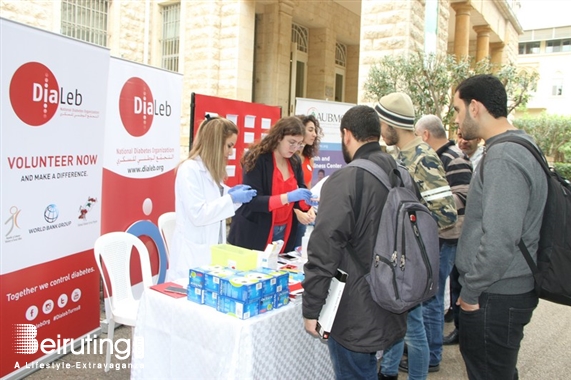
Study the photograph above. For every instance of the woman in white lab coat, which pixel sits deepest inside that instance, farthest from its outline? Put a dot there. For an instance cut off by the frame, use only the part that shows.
(202, 201)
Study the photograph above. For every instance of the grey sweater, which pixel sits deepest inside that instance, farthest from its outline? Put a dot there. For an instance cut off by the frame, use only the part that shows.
(506, 207)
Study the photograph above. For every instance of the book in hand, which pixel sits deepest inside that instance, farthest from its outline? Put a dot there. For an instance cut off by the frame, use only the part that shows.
(329, 310)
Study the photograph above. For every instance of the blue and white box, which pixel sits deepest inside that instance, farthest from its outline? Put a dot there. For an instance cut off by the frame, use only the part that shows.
(196, 276)
(267, 303)
(195, 294)
(239, 309)
(213, 278)
(281, 299)
(268, 281)
(210, 298)
(240, 288)
(282, 278)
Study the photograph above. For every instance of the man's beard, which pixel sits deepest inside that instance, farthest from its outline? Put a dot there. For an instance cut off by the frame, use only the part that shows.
(390, 137)
(470, 129)
(346, 155)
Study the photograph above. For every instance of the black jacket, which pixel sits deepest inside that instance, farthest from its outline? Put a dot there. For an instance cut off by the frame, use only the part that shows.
(349, 212)
(252, 223)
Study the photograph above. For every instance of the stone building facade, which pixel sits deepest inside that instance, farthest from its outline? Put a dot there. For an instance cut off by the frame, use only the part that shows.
(270, 51)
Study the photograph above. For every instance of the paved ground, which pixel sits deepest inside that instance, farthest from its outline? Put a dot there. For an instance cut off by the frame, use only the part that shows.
(545, 353)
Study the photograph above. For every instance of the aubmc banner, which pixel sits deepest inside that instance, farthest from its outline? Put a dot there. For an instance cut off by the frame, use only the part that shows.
(329, 114)
(142, 151)
(52, 121)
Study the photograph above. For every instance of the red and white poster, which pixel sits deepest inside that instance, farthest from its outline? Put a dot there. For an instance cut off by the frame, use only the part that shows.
(52, 120)
(142, 150)
(252, 119)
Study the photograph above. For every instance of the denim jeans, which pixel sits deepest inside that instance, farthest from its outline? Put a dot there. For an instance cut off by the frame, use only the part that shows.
(433, 309)
(350, 365)
(418, 353)
(301, 228)
(455, 289)
(490, 337)
(279, 232)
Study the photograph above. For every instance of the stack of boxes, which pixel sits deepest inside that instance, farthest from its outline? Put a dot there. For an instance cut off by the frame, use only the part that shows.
(233, 287)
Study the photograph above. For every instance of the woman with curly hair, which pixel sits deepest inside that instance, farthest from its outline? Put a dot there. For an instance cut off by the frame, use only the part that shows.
(273, 169)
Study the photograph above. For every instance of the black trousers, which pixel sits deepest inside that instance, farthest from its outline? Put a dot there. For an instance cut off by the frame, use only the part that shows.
(490, 337)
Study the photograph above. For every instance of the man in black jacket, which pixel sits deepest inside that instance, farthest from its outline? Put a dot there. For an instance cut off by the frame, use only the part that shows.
(349, 214)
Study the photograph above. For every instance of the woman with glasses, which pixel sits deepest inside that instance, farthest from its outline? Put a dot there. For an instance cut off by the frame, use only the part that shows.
(202, 201)
(273, 169)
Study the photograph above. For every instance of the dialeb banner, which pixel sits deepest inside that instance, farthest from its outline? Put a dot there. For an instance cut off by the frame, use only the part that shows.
(252, 119)
(142, 151)
(52, 121)
(329, 114)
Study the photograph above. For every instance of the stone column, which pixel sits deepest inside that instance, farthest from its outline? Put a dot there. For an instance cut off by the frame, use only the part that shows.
(321, 64)
(497, 53)
(483, 42)
(462, 29)
(273, 54)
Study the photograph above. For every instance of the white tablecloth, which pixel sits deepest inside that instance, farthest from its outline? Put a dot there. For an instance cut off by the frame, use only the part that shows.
(182, 339)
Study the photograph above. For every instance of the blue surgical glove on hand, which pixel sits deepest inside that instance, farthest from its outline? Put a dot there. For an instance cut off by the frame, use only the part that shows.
(238, 187)
(242, 194)
(299, 195)
(313, 201)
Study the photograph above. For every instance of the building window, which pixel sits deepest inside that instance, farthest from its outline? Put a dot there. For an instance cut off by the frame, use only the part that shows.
(300, 36)
(556, 46)
(171, 37)
(557, 84)
(340, 55)
(529, 48)
(85, 20)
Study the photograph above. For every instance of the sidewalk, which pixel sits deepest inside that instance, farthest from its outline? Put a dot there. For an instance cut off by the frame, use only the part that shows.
(545, 353)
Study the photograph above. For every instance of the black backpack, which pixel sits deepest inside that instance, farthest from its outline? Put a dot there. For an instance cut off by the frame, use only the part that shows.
(405, 260)
(552, 272)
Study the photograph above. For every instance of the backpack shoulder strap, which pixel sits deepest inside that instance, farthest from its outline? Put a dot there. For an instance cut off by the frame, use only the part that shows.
(374, 169)
(532, 148)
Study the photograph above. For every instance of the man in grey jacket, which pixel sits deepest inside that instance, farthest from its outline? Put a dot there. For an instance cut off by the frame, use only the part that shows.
(350, 208)
(505, 204)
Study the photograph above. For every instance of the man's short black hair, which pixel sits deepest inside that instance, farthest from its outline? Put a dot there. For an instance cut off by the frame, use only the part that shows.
(363, 122)
(486, 89)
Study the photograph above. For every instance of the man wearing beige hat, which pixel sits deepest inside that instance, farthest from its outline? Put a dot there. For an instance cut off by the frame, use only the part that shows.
(396, 112)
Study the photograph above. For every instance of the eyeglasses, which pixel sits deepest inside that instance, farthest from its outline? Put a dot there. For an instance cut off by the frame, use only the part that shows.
(295, 144)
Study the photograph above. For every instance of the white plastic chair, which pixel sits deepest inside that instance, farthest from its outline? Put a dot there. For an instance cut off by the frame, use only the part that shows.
(167, 223)
(114, 250)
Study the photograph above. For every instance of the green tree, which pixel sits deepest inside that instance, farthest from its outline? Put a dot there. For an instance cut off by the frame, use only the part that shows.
(551, 132)
(429, 79)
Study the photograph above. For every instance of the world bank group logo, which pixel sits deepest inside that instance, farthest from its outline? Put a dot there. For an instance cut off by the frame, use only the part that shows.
(51, 213)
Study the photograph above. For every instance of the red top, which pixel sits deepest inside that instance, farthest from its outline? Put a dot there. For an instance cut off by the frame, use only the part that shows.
(281, 214)
(307, 168)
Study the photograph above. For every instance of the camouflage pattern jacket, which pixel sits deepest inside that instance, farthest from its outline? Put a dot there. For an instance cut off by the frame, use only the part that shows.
(425, 167)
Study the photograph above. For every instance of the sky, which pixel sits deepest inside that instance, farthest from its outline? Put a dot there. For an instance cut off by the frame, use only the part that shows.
(536, 14)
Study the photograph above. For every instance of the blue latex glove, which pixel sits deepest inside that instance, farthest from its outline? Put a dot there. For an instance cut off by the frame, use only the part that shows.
(299, 195)
(313, 201)
(238, 187)
(242, 193)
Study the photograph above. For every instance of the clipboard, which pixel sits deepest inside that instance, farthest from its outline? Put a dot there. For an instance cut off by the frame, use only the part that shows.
(329, 310)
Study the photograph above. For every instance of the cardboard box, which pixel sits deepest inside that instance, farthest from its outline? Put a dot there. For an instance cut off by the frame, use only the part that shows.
(268, 281)
(282, 278)
(210, 298)
(212, 279)
(239, 309)
(195, 294)
(196, 275)
(234, 257)
(281, 299)
(267, 303)
(241, 288)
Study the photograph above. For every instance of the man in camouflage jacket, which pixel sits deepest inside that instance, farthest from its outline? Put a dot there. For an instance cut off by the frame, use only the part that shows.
(396, 112)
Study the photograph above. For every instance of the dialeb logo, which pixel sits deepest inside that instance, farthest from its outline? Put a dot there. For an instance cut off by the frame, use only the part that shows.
(34, 93)
(137, 107)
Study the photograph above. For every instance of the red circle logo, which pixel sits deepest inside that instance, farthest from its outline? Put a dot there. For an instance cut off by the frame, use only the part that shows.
(136, 107)
(34, 93)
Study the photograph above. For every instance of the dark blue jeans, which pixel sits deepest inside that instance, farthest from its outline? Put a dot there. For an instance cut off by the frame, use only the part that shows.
(490, 337)
(351, 365)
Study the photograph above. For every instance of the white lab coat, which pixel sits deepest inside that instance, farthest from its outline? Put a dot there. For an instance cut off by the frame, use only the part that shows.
(200, 218)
